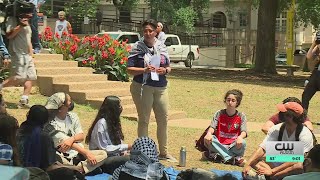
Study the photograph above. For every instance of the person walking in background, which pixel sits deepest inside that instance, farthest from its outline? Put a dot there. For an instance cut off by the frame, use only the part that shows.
(161, 35)
(149, 56)
(62, 25)
(225, 137)
(99, 17)
(34, 26)
(5, 56)
(20, 48)
(106, 134)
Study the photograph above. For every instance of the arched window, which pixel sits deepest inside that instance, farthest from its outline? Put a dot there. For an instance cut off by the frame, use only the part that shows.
(219, 20)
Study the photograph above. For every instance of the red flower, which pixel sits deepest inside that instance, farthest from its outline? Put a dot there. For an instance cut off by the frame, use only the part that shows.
(74, 48)
(104, 55)
(57, 35)
(64, 33)
(84, 62)
(122, 61)
(125, 59)
(91, 58)
(128, 49)
(111, 50)
(67, 42)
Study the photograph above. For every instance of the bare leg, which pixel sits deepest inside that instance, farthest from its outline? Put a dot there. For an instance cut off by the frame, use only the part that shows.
(27, 87)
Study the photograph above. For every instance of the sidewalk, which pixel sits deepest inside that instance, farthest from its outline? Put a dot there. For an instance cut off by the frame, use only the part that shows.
(204, 123)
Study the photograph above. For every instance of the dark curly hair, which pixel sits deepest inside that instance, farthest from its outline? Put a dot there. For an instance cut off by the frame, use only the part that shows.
(8, 130)
(110, 110)
(237, 93)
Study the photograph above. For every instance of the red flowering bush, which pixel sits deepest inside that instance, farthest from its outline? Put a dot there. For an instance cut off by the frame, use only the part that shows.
(104, 54)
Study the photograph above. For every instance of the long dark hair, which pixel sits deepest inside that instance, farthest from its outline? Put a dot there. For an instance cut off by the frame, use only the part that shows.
(8, 130)
(110, 110)
(37, 116)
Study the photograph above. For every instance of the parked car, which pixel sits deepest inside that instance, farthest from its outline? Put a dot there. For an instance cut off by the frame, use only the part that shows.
(179, 52)
(122, 36)
(281, 59)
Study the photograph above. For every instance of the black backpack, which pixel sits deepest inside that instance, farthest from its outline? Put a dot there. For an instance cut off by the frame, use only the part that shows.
(297, 134)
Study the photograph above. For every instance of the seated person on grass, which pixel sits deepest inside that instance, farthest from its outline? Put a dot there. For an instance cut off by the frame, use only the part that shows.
(65, 129)
(225, 137)
(291, 129)
(275, 119)
(311, 166)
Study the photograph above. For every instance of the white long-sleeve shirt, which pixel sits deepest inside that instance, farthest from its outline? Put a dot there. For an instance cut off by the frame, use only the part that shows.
(100, 139)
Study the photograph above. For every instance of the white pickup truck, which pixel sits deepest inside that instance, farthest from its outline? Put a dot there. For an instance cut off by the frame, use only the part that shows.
(181, 53)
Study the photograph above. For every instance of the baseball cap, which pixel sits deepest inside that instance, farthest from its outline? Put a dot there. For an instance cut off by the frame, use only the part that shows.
(295, 107)
(6, 152)
(56, 100)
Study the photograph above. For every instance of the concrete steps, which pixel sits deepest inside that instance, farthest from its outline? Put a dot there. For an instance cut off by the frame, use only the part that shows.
(55, 75)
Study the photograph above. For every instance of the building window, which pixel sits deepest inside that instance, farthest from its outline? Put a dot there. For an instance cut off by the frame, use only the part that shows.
(219, 20)
(243, 19)
(281, 22)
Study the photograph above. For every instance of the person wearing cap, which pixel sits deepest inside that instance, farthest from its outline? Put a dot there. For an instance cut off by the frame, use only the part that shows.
(311, 166)
(65, 129)
(275, 119)
(291, 112)
(161, 35)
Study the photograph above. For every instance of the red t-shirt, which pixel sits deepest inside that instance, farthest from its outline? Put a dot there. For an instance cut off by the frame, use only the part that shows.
(275, 119)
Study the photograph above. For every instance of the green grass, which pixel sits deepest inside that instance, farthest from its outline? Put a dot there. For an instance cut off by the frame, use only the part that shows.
(200, 93)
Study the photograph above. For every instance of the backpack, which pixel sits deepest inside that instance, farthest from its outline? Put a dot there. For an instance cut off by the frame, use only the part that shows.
(200, 142)
(297, 134)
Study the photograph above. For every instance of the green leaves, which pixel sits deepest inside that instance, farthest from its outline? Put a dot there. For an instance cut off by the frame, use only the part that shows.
(185, 17)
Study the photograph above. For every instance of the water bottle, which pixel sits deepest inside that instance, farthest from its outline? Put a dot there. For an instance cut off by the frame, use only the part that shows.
(183, 157)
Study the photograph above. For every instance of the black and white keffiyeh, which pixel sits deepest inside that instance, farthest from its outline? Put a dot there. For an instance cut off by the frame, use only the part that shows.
(143, 163)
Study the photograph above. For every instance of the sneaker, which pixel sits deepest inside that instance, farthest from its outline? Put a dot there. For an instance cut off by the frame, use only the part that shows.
(231, 161)
(168, 158)
(36, 51)
(24, 104)
(214, 157)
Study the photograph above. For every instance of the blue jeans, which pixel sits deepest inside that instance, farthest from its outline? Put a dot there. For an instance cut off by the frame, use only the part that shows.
(35, 33)
(226, 151)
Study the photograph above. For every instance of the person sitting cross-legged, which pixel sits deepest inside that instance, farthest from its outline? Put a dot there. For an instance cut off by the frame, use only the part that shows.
(65, 129)
(291, 129)
(225, 136)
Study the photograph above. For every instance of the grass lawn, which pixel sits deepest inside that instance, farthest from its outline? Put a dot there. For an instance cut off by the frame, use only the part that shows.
(200, 93)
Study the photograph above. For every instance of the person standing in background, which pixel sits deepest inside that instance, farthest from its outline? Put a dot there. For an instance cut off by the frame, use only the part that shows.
(34, 26)
(62, 25)
(99, 17)
(161, 35)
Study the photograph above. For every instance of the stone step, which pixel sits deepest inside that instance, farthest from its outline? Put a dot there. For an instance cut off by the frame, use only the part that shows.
(68, 78)
(96, 102)
(47, 64)
(172, 115)
(89, 85)
(53, 57)
(64, 70)
(81, 96)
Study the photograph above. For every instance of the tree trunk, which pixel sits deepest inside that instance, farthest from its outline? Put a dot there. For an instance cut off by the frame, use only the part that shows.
(265, 58)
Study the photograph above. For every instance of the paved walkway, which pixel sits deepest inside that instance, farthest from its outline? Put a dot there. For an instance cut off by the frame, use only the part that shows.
(203, 124)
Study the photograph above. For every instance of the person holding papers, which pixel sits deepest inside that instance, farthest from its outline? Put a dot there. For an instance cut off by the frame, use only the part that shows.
(149, 63)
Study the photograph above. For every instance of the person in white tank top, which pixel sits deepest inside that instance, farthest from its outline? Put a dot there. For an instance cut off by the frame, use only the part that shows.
(62, 25)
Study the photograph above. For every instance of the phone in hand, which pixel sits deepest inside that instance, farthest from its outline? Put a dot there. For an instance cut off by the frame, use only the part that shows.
(318, 37)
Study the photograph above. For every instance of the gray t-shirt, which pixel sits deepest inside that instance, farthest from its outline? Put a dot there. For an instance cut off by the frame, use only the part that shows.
(20, 43)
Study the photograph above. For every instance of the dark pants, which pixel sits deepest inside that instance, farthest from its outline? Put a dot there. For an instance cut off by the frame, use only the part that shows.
(35, 33)
(312, 87)
(113, 162)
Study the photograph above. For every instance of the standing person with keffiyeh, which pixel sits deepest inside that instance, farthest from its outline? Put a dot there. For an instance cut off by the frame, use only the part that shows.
(149, 63)
(143, 163)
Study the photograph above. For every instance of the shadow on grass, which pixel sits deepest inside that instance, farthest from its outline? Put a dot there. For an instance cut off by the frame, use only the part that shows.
(11, 105)
(239, 76)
